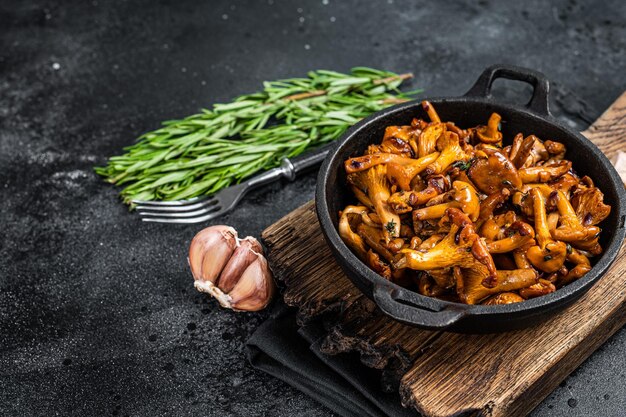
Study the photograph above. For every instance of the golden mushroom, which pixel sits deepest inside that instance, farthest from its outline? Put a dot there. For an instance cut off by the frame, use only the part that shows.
(548, 255)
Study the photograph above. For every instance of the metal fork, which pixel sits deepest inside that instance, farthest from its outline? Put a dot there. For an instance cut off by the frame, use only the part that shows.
(199, 209)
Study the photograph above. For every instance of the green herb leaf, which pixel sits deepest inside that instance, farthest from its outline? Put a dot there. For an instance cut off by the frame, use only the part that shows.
(390, 226)
(463, 165)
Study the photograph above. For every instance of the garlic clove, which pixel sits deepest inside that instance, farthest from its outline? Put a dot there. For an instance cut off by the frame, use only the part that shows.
(255, 287)
(210, 251)
(248, 251)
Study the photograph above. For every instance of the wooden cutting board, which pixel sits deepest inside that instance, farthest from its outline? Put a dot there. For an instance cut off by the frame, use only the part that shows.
(444, 374)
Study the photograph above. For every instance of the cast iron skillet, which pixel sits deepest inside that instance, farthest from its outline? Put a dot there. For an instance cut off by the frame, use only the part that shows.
(333, 194)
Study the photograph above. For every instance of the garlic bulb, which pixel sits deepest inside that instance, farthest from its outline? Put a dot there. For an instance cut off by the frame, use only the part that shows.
(232, 270)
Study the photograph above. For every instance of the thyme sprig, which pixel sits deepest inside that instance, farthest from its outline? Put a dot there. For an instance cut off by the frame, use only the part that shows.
(205, 152)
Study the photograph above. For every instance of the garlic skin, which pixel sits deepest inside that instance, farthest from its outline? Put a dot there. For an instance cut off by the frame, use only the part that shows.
(232, 270)
(248, 251)
(218, 242)
(252, 293)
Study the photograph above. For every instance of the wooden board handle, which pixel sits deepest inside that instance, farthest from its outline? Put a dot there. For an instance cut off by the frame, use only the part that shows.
(608, 131)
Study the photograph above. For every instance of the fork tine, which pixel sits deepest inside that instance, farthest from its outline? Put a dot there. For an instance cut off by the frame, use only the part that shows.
(183, 214)
(172, 203)
(177, 208)
(185, 220)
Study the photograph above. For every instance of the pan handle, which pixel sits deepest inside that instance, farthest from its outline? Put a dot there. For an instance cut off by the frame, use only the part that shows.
(409, 307)
(541, 87)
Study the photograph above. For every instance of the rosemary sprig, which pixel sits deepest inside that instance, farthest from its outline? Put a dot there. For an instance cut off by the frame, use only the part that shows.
(206, 152)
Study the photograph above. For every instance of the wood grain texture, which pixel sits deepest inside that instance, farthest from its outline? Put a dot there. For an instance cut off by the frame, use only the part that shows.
(609, 132)
(300, 258)
(444, 374)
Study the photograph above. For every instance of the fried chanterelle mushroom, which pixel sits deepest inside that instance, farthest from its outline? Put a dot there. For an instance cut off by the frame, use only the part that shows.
(450, 213)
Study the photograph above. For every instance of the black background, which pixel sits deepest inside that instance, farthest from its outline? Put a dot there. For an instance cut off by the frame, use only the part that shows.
(98, 315)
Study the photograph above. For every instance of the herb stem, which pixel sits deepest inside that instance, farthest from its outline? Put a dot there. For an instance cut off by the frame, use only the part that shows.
(402, 77)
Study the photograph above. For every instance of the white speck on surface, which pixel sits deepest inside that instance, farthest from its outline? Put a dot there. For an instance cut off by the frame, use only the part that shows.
(115, 66)
(203, 82)
(300, 10)
(68, 179)
(225, 16)
(301, 19)
(324, 2)
(307, 46)
(183, 69)
(56, 66)
(333, 19)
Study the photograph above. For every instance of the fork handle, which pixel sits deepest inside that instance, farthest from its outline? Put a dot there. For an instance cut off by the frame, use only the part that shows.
(289, 168)
(311, 159)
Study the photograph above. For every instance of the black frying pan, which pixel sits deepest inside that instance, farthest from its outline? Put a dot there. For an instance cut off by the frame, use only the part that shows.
(475, 107)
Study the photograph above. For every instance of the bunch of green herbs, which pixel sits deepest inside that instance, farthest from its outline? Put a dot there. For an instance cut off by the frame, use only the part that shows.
(203, 153)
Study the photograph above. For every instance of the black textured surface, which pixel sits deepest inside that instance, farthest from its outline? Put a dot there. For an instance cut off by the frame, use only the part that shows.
(98, 315)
